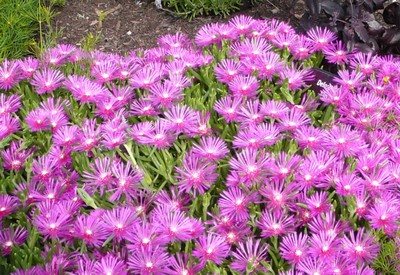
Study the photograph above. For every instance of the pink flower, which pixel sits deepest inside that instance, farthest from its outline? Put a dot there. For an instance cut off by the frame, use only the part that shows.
(321, 38)
(211, 148)
(47, 80)
(275, 223)
(360, 247)
(9, 104)
(294, 248)
(171, 226)
(228, 107)
(244, 86)
(10, 238)
(14, 157)
(248, 256)
(196, 175)
(165, 94)
(250, 165)
(118, 222)
(10, 74)
(234, 203)
(8, 205)
(110, 264)
(91, 230)
(227, 69)
(211, 247)
(148, 261)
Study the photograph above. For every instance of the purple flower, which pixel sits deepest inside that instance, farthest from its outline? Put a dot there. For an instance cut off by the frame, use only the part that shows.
(228, 107)
(127, 181)
(47, 80)
(337, 54)
(334, 95)
(308, 137)
(279, 195)
(164, 94)
(366, 63)
(118, 222)
(227, 69)
(251, 113)
(296, 78)
(10, 237)
(324, 246)
(90, 229)
(28, 66)
(104, 71)
(8, 125)
(268, 65)
(85, 90)
(161, 136)
(38, 120)
(274, 109)
(321, 38)
(142, 235)
(183, 264)
(302, 49)
(318, 203)
(250, 165)
(248, 256)
(10, 74)
(14, 157)
(196, 175)
(10, 104)
(149, 261)
(44, 169)
(208, 35)
(211, 247)
(343, 141)
(66, 136)
(89, 136)
(242, 24)
(284, 165)
(275, 223)
(211, 148)
(294, 248)
(143, 107)
(102, 176)
(147, 76)
(55, 224)
(349, 80)
(250, 48)
(171, 226)
(110, 264)
(385, 214)
(177, 40)
(311, 265)
(244, 86)
(234, 203)
(181, 119)
(360, 247)
(8, 204)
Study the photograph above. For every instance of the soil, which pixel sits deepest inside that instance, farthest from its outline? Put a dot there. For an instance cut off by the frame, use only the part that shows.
(125, 25)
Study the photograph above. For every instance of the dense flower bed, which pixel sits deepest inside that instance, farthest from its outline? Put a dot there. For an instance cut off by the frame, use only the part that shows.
(211, 157)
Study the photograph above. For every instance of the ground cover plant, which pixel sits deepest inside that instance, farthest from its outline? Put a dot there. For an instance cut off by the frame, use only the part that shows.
(22, 24)
(211, 156)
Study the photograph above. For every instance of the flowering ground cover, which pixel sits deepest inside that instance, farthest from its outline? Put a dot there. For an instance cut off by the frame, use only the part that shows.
(211, 156)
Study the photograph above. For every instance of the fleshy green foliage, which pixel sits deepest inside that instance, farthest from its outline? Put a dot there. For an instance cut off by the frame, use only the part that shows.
(21, 22)
(192, 8)
(18, 25)
(388, 261)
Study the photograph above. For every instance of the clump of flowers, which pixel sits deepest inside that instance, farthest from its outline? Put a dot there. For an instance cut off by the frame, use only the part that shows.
(200, 157)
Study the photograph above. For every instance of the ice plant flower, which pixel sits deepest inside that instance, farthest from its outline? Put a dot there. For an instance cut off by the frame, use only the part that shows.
(196, 175)
(360, 246)
(149, 260)
(47, 80)
(10, 237)
(211, 247)
(294, 248)
(248, 256)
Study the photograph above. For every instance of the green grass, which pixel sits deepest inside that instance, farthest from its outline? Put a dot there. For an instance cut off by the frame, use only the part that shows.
(21, 24)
